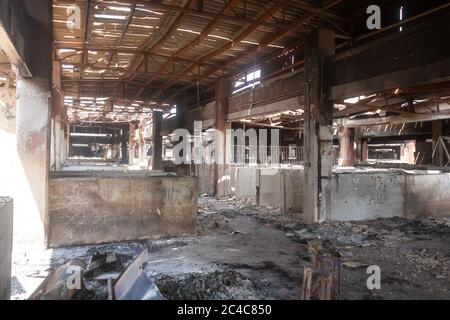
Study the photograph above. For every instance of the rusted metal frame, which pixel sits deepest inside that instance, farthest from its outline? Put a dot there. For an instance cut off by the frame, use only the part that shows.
(157, 62)
(293, 46)
(86, 27)
(140, 53)
(193, 43)
(266, 15)
(266, 42)
(316, 9)
(436, 100)
(70, 56)
(174, 26)
(344, 33)
(211, 15)
(441, 144)
(119, 41)
(144, 46)
(364, 104)
(273, 74)
(266, 77)
(185, 77)
(232, 9)
(393, 26)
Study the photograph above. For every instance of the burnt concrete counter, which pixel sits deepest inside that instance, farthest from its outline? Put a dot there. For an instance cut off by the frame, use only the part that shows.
(361, 193)
(102, 207)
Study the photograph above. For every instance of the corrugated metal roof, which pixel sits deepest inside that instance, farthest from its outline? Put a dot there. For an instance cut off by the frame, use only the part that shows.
(138, 50)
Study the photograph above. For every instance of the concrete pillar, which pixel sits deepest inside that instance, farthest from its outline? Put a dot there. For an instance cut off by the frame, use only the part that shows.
(318, 146)
(364, 151)
(157, 141)
(125, 140)
(346, 147)
(358, 145)
(221, 180)
(410, 151)
(132, 143)
(33, 146)
(142, 146)
(58, 121)
(438, 159)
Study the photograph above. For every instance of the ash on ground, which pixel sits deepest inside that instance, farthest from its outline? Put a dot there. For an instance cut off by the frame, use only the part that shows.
(247, 252)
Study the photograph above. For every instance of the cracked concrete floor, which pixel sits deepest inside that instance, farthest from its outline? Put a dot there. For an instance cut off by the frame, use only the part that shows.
(266, 252)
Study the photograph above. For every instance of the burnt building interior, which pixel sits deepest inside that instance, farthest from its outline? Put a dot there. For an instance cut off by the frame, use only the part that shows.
(224, 149)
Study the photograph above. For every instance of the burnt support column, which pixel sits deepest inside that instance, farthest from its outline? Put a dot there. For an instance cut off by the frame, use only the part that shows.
(223, 88)
(318, 147)
(157, 141)
(132, 143)
(410, 151)
(58, 121)
(33, 145)
(364, 151)
(346, 147)
(125, 137)
(438, 158)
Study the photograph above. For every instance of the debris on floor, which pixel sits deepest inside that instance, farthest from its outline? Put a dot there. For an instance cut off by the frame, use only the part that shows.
(68, 281)
(218, 285)
(101, 263)
(62, 284)
(133, 283)
(321, 281)
(249, 252)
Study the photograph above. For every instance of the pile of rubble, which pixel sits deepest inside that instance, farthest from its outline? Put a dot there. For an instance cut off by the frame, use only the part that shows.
(107, 276)
(218, 285)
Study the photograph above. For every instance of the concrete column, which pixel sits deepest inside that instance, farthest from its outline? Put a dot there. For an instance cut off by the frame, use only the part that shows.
(364, 151)
(157, 141)
(358, 145)
(58, 121)
(33, 145)
(132, 144)
(410, 151)
(438, 159)
(223, 88)
(142, 151)
(318, 146)
(125, 140)
(346, 147)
